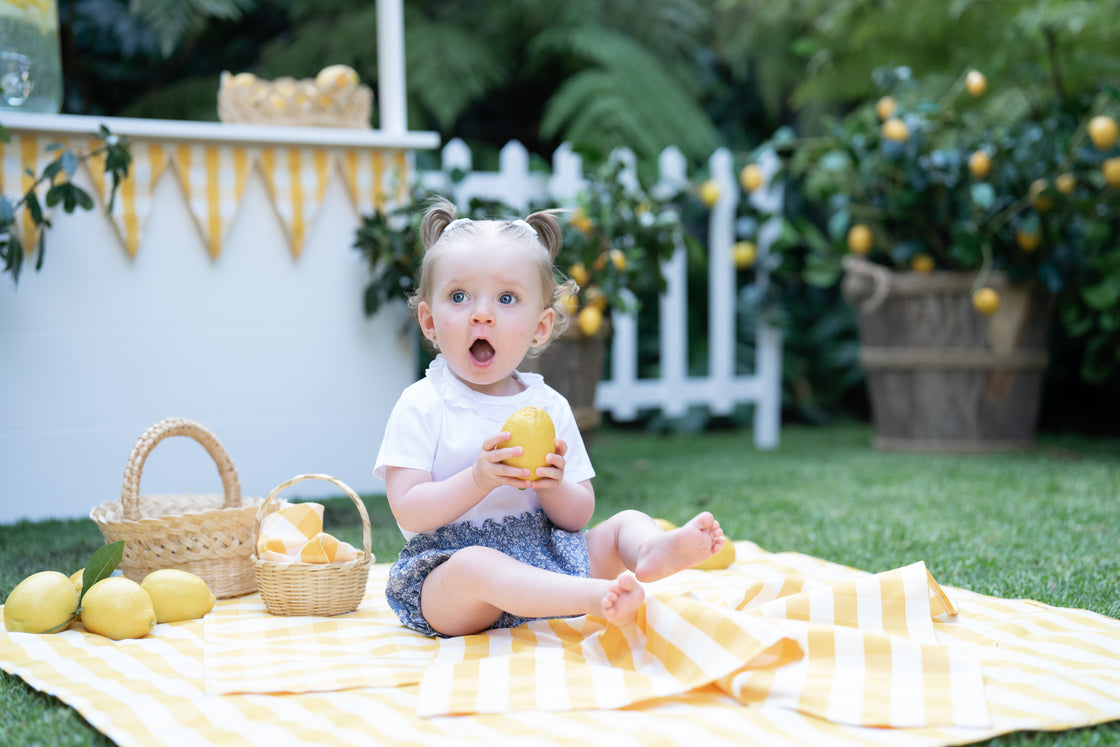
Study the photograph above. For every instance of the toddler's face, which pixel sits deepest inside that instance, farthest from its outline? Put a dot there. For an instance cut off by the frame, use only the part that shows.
(486, 311)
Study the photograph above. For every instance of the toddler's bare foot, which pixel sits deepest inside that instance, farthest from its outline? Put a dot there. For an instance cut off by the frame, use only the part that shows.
(623, 599)
(680, 548)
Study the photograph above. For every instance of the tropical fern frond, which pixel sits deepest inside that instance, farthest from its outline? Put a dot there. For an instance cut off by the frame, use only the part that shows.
(633, 100)
(449, 67)
(176, 20)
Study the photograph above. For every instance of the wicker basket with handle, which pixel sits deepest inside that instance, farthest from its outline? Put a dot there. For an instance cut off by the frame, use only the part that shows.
(211, 536)
(320, 589)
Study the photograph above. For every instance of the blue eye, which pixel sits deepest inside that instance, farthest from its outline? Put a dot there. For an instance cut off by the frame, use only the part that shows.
(507, 299)
(458, 297)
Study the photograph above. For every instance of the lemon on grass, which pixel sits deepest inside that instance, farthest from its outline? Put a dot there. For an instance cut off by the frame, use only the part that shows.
(117, 608)
(532, 429)
(177, 595)
(44, 602)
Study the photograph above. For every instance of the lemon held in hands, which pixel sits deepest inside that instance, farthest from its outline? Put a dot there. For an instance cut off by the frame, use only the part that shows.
(532, 429)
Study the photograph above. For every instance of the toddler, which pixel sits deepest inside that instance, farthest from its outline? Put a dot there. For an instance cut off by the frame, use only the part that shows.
(486, 547)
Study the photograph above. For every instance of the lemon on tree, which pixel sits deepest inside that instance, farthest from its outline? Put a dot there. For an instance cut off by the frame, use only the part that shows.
(579, 273)
(885, 107)
(1027, 239)
(980, 164)
(745, 254)
(860, 239)
(1040, 201)
(44, 602)
(589, 320)
(986, 301)
(976, 83)
(177, 595)
(1065, 183)
(895, 129)
(709, 192)
(532, 429)
(921, 263)
(1103, 131)
(751, 177)
(117, 608)
(1111, 171)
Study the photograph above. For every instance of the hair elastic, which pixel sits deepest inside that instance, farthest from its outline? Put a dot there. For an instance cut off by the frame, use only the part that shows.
(455, 224)
(520, 222)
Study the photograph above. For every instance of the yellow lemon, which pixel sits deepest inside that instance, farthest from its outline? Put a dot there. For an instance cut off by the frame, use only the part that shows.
(579, 273)
(116, 607)
(618, 259)
(589, 320)
(336, 77)
(745, 253)
(530, 428)
(571, 302)
(664, 524)
(76, 579)
(1111, 171)
(980, 164)
(44, 602)
(177, 595)
(722, 559)
(860, 239)
(885, 107)
(1065, 183)
(709, 192)
(594, 296)
(921, 263)
(751, 177)
(986, 301)
(895, 129)
(1028, 241)
(976, 83)
(1103, 131)
(581, 222)
(1039, 200)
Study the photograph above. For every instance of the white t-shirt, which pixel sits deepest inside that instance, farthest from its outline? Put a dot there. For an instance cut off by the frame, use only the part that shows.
(439, 423)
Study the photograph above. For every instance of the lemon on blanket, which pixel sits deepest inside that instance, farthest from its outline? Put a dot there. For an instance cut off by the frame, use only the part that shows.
(116, 607)
(722, 559)
(76, 579)
(532, 429)
(44, 602)
(177, 595)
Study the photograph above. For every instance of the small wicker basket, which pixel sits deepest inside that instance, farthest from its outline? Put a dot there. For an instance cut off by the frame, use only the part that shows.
(319, 589)
(211, 536)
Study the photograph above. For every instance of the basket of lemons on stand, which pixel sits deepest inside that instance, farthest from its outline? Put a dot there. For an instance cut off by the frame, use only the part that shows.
(289, 585)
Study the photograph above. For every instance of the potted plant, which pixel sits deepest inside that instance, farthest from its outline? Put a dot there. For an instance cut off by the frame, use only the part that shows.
(958, 218)
(616, 237)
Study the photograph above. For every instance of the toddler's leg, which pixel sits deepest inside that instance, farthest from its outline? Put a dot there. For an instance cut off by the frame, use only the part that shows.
(630, 540)
(470, 591)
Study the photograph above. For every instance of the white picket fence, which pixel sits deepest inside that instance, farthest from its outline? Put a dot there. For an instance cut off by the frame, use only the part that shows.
(623, 394)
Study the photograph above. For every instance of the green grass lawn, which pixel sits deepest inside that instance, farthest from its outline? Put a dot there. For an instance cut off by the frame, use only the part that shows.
(1040, 524)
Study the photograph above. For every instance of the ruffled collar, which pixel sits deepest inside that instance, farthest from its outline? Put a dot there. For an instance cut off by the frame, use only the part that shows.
(453, 390)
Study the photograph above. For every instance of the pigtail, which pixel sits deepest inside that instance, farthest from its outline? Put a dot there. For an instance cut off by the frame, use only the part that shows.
(548, 230)
(439, 216)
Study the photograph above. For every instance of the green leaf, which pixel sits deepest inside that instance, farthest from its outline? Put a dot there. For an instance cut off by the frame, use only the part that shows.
(102, 563)
(1103, 295)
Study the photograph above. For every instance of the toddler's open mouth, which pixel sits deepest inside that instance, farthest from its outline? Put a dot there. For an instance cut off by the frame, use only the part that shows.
(482, 351)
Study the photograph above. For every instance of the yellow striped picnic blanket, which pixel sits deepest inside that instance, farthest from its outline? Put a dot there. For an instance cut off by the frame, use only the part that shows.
(780, 649)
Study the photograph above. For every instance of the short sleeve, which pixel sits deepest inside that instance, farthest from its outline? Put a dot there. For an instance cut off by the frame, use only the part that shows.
(411, 433)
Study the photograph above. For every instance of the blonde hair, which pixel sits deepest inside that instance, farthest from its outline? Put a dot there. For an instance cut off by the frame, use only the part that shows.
(539, 234)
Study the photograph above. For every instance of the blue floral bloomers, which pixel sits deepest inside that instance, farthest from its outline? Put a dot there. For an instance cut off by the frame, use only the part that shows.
(530, 538)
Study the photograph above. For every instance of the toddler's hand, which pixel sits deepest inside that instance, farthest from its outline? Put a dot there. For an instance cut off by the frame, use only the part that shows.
(551, 476)
(489, 472)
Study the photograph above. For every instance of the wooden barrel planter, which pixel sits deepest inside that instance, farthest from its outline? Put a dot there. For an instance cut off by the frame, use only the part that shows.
(572, 364)
(941, 376)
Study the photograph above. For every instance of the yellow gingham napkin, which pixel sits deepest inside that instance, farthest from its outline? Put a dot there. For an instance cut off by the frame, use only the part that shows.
(295, 533)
